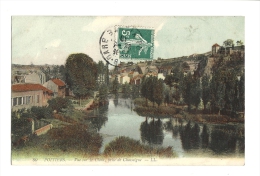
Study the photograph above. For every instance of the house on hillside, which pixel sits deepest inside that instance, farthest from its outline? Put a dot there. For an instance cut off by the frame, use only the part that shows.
(28, 95)
(215, 49)
(124, 79)
(136, 80)
(57, 86)
(160, 76)
(133, 74)
(33, 77)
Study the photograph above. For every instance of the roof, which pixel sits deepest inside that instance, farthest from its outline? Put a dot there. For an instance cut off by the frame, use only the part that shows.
(215, 45)
(29, 87)
(58, 82)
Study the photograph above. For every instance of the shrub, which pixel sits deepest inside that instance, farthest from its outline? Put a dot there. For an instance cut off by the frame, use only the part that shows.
(59, 103)
(125, 146)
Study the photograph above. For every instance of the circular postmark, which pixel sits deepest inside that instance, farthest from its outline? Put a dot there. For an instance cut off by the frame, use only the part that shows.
(126, 43)
(108, 47)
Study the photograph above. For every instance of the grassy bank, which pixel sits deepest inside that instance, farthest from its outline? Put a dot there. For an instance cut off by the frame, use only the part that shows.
(180, 112)
(70, 140)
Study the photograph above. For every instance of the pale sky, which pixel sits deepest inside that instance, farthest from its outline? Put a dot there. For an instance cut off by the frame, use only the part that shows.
(50, 40)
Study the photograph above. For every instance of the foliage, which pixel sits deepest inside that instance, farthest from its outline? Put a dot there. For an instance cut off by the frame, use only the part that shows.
(81, 74)
(125, 146)
(205, 90)
(115, 86)
(59, 103)
(41, 112)
(126, 90)
(75, 137)
(135, 91)
(228, 42)
(153, 89)
(169, 80)
(158, 91)
(103, 92)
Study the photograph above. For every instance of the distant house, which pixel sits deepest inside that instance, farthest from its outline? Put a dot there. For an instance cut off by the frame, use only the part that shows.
(124, 79)
(215, 49)
(28, 95)
(37, 77)
(133, 74)
(160, 76)
(57, 86)
(136, 80)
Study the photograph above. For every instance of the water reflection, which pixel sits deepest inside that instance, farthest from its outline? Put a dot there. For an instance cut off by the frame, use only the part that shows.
(222, 140)
(186, 137)
(205, 137)
(190, 136)
(152, 132)
(99, 117)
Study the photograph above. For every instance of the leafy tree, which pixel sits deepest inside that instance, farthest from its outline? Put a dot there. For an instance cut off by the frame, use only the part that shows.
(135, 91)
(169, 80)
(126, 90)
(115, 86)
(62, 72)
(187, 90)
(220, 97)
(144, 91)
(228, 42)
(195, 92)
(158, 91)
(59, 103)
(242, 93)
(103, 93)
(81, 74)
(240, 42)
(205, 90)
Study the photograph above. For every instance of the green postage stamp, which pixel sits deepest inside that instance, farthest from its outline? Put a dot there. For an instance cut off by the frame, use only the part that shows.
(135, 43)
(127, 43)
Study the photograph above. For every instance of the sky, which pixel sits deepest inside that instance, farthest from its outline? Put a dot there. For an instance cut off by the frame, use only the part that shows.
(51, 39)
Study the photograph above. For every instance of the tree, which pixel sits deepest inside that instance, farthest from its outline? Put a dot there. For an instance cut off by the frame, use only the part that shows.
(103, 93)
(62, 72)
(126, 90)
(81, 74)
(241, 88)
(144, 91)
(228, 42)
(169, 80)
(58, 104)
(220, 97)
(115, 86)
(151, 81)
(187, 89)
(158, 91)
(240, 42)
(205, 90)
(195, 92)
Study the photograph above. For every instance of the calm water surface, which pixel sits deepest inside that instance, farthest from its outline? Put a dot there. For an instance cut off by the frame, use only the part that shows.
(188, 139)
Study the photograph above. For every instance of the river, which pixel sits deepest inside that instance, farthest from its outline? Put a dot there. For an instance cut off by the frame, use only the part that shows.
(187, 139)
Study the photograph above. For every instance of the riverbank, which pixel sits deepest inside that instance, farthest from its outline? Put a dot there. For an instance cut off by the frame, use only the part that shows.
(175, 111)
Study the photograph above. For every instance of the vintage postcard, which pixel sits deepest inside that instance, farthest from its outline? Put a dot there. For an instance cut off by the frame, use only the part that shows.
(128, 90)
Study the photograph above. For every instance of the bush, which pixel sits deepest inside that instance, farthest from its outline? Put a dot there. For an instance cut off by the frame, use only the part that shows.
(41, 112)
(125, 146)
(59, 103)
(73, 138)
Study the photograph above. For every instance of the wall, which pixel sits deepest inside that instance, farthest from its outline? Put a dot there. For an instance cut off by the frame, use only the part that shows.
(33, 99)
(43, 130)
(32, 78)
(52, 86)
